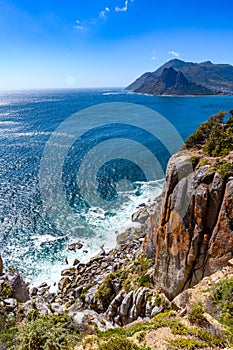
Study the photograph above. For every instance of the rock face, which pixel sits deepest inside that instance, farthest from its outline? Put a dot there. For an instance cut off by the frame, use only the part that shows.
(128, 307)
(20, 292)
(193, 235)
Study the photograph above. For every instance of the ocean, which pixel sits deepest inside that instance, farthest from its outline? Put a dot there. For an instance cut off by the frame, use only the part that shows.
(75, 164)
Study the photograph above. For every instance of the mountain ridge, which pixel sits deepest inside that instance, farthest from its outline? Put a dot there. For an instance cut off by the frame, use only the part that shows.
(218, 78)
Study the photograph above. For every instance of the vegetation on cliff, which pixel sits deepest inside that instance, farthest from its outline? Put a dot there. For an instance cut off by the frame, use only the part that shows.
(215, 139)
(214, 136)
(144, 335)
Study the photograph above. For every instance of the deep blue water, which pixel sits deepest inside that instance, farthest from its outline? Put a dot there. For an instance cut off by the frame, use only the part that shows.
(35, 240)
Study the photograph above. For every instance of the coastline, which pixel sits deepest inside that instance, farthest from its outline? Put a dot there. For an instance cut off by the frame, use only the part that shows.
(52, 273)
(151, 95)
(120, 288)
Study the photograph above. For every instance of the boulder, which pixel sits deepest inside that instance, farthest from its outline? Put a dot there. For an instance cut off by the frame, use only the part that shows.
(62, 284)
(124, 308)
(20, 292)
(10, 304)
(140, 216)
(41, 306)
(156, 310)
(86, 318)
(75, 246)
(28, 306)
(57, 308)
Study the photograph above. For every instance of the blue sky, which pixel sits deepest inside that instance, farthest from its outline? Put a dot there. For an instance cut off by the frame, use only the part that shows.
(106, 43)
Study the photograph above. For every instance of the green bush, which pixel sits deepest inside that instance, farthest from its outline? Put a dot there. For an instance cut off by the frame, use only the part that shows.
(222, 298)
(224, 168)
(144, 281)
(6, 290)
(186, 343)
(196, 314)
(8, 331)
(105, 294)
(48, 332)
(200, 136)
(120, 343)
(213, 136)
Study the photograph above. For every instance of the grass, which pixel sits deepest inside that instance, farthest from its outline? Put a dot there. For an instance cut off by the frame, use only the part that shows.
(120, 343)
(189, 337)
(185, 343)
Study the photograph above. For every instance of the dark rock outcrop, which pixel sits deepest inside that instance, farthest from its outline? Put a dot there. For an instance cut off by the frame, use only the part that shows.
(193, 235)
(19, 289)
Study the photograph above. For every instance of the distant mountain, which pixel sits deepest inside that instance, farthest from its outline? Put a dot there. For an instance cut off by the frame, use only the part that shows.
(203, 78)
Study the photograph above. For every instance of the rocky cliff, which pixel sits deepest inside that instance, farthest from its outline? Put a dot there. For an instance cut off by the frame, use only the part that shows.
(192, 237)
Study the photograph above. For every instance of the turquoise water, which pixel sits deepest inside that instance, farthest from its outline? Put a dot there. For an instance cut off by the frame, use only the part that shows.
(33, 241)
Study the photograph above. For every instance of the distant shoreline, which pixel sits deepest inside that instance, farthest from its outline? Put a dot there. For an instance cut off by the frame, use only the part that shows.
(145, 94)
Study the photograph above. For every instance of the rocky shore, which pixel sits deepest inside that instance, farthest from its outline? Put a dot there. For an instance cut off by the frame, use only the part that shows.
(177, 245)
(99, 290)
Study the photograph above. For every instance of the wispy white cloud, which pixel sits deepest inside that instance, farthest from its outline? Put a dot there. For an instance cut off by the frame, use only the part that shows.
(78, 25)
(174, 53)
(104, 12)
(154, 57)
(84, 24)
(124, 8)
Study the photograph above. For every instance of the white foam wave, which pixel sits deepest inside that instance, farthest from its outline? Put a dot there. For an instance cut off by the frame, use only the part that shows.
(114, 93)
(30, 134)
(3, 115)
(8, 122)
(38, 240)
(120, 218)
(4, 103)
(105, 227)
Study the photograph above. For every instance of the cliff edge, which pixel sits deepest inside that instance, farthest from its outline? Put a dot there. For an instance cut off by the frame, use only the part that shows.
(192, 235)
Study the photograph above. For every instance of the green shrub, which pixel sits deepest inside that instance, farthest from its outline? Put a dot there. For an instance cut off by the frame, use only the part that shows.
(144, 281)
(196, 314)
(200, 136)
(222, 298)
(8, 331)
(141, 337)
(105, 293)
(48, 332)
(213, 136)
(6, 290)
(120, 343)
(33, 315)
(186, 343)
(224, 168)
